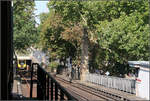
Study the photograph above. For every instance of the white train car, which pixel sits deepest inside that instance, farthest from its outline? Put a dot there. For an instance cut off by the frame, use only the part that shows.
(142, 79)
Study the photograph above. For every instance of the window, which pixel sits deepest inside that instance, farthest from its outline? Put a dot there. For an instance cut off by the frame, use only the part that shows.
(22, 62)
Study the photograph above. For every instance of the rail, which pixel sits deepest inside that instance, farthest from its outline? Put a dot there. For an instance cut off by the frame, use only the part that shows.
(122, 84)
(47, 87)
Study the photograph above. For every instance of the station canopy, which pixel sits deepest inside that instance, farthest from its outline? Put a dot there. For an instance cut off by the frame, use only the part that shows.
(23, 57)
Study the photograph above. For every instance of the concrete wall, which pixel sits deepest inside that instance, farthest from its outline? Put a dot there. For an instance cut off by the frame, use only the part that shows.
(143, 85)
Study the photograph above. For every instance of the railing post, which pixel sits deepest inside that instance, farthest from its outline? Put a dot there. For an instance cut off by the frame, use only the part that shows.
(38, 85)
(43, 84)
(31, 83)
(47, 97)
(51, 89)
(39, 80)
(61, 95)
(56, 91)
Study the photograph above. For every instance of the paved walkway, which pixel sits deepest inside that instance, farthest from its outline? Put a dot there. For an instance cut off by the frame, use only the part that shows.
(21, 91)
(17, 90)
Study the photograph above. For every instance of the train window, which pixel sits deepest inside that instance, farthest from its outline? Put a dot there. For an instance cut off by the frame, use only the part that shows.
(136, 72)
(22, 62)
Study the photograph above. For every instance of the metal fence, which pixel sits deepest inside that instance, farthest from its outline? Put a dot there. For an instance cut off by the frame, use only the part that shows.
(47, 87)
(122, 84)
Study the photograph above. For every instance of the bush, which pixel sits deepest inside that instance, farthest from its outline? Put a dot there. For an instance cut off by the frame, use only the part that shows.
(53, 65)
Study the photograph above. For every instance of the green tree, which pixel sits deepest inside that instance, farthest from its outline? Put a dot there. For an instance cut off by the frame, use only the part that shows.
(25, 33)
(104, 26)
(125, 39)
(106, 12)
(52, 41)
(75, 14)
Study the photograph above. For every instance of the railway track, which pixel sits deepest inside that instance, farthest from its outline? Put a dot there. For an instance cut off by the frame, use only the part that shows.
(80, 91)
(97, 93)
(82, 96)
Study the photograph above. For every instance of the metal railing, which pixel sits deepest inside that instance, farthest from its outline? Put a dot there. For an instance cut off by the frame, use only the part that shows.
(122, 84)
(47, 87)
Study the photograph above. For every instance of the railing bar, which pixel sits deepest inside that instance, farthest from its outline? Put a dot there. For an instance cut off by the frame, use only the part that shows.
(47, 97)
(70, 97)
(39, 89)
(56, 92)
(31, 83)
(61, 95)
(51, 89)
(46, 84)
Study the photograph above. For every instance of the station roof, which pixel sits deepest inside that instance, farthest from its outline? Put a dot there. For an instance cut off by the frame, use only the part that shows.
(24, 57)
(145, 64)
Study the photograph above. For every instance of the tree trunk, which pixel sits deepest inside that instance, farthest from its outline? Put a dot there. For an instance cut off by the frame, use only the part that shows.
(84, 54)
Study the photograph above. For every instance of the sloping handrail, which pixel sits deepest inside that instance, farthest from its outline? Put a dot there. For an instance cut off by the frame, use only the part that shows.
(45, 81)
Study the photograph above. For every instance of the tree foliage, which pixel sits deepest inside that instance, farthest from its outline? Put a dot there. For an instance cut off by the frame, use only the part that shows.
(125, 39)
(76, 16)
(25, 33)
(51, 38)
(117, 32)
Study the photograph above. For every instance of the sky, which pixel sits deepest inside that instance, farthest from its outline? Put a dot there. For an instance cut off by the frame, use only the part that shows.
(41, 7)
